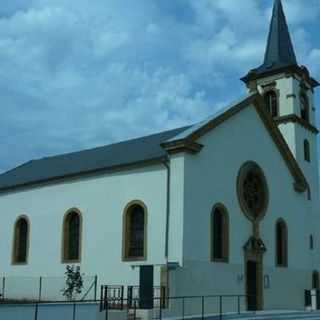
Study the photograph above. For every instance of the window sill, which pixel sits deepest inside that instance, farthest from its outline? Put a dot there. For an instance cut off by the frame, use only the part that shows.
(220, 260)
(16, 264)
(129, 259)
(70, 261)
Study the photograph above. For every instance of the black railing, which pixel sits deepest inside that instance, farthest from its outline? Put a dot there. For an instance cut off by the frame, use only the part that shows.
(159, 295)
(112, 297)
(120, 297)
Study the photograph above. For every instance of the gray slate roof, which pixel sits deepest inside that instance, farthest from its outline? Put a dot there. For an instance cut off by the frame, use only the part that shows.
(88, 161)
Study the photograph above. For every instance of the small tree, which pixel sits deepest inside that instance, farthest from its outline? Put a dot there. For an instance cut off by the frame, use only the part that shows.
(74, 282)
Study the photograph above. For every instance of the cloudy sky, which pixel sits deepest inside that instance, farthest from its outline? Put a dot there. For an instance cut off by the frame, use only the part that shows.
(80, 73)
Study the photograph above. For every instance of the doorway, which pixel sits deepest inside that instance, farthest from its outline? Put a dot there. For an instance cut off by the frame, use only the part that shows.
(252, 285)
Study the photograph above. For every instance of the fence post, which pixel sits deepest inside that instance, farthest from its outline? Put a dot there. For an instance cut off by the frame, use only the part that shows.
(182, 308)
(36, 311)
(107, 310)
(40, 288)
(220, 307)
(239, 309)
(95, 287)
(202, 307)
(122, 297)
(160, 313)
(135, 309)
(74, 311)
(101, 298)
(105, 299)
(3, 287)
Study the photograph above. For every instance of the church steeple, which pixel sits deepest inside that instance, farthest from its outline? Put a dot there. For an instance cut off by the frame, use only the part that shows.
(287, 90)
(279, 50)
(280, 55)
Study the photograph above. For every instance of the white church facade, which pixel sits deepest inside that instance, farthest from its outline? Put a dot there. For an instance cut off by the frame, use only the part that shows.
(226, 206)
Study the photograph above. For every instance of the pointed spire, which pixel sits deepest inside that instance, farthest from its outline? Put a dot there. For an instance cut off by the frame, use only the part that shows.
(280, 50)
(279, 54)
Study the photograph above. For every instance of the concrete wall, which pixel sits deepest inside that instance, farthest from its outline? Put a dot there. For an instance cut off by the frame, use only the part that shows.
(51, 312)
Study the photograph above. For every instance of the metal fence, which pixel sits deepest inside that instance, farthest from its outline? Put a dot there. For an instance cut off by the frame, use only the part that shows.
(179, 308)
(44, 289)
(199, 307)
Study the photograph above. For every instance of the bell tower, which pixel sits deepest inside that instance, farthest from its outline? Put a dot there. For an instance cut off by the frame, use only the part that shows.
(288, 91)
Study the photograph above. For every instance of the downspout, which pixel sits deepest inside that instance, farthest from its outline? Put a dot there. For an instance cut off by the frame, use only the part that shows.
(166, 163)
(166, 250)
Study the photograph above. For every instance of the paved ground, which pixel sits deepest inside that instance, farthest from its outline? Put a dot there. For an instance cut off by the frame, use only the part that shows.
(276, 316)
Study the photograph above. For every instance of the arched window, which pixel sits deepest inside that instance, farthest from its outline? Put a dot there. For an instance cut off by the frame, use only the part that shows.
(220, 234)
(315, 280)
(306, 147)
(271, 101)
(21, 241)
(72, 236)
(304, 107)
(135, 232)
(281, 244)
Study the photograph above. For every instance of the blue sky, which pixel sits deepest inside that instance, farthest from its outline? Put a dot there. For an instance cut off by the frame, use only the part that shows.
(76, 74)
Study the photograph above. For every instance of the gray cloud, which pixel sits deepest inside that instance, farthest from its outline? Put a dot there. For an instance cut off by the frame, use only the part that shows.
(74, 74)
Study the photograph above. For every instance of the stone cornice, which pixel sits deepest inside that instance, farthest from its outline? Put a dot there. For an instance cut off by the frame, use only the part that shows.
(295, 119)
(191, 147)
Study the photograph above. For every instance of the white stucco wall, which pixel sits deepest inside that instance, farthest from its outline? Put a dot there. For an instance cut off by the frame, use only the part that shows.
(101, 200)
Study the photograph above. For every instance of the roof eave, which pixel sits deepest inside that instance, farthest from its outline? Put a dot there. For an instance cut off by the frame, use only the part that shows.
(82, 174)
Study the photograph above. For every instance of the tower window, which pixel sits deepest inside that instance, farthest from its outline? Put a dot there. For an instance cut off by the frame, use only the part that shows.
(304, 107)
(271, 101)
(306, 147)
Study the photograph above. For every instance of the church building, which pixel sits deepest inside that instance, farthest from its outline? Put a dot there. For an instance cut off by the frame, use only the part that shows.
(229, 205)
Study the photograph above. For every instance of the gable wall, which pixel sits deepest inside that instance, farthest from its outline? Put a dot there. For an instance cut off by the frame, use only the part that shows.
(212, 174)
(210, 178)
